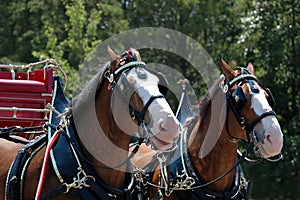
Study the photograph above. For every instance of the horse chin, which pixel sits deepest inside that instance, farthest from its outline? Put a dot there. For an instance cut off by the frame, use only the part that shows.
(158, 144)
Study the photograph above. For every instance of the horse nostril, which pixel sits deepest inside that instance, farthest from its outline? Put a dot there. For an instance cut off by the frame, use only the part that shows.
(161, 124)
(170, 123)
(162, 128)
(268, 138)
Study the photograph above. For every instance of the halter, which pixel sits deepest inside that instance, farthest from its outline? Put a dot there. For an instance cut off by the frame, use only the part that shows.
(245, 77)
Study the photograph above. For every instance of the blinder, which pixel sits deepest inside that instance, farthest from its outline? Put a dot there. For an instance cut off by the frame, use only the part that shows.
(123, 89)
(163, 83)
(254, 88)
(270, 97)
(125, 85)
(239, 97)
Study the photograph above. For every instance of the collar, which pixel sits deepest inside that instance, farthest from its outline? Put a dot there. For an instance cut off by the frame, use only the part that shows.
(78, 176)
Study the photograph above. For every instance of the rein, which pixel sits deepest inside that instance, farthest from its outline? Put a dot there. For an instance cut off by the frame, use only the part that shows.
(50, 144)
(4, 132)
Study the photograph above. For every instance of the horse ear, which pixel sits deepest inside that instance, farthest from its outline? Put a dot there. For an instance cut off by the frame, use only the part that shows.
(114, 58)
(250, 67)
(137, 54)
(227, 70)
(111, 54)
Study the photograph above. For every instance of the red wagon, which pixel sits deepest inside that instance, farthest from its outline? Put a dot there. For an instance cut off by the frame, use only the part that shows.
(25, 90)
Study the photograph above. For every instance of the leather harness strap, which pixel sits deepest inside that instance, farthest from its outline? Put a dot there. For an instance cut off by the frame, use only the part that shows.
(15, 178)
(94, 187)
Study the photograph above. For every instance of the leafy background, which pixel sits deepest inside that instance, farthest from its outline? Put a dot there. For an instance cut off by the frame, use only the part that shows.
(267, 31)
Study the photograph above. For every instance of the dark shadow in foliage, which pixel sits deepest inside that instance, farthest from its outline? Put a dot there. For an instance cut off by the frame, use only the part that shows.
(278, 180)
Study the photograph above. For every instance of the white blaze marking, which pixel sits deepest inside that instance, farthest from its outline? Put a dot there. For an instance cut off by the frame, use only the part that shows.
(269, 134)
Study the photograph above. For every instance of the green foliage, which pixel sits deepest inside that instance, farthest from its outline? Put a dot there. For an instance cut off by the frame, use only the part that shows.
(64, 30)
(277, 180)
(277, 52)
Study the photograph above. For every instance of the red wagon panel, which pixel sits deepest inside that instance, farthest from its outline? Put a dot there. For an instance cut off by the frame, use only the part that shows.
(24, 95)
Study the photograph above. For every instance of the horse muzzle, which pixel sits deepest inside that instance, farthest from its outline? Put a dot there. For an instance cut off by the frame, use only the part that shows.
(272, 142)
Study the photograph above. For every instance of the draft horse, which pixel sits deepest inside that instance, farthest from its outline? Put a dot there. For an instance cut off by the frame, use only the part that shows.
(206, 165)
(86, 153)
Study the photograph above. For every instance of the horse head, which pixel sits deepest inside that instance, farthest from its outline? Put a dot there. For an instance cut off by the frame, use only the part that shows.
(144, 90)
(251, 104)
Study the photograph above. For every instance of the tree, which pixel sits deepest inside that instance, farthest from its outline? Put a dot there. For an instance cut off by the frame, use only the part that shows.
(64, 30)
(274, 36)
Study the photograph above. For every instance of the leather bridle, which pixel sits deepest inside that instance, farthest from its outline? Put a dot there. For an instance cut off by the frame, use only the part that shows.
(244, 77)
(112, 76)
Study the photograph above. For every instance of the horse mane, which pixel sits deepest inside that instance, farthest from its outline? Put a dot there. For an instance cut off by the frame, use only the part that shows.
(206, 99)
(84, 103)
(92, 88)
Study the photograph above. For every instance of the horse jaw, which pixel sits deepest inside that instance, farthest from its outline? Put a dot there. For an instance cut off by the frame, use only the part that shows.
(271, 137)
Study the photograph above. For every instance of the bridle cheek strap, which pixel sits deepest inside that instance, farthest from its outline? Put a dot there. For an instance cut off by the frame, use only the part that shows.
(139, 116)
(248, 126)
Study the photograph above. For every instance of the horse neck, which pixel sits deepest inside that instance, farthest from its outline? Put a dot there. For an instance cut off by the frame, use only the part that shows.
(211, 149)
(114, 143)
